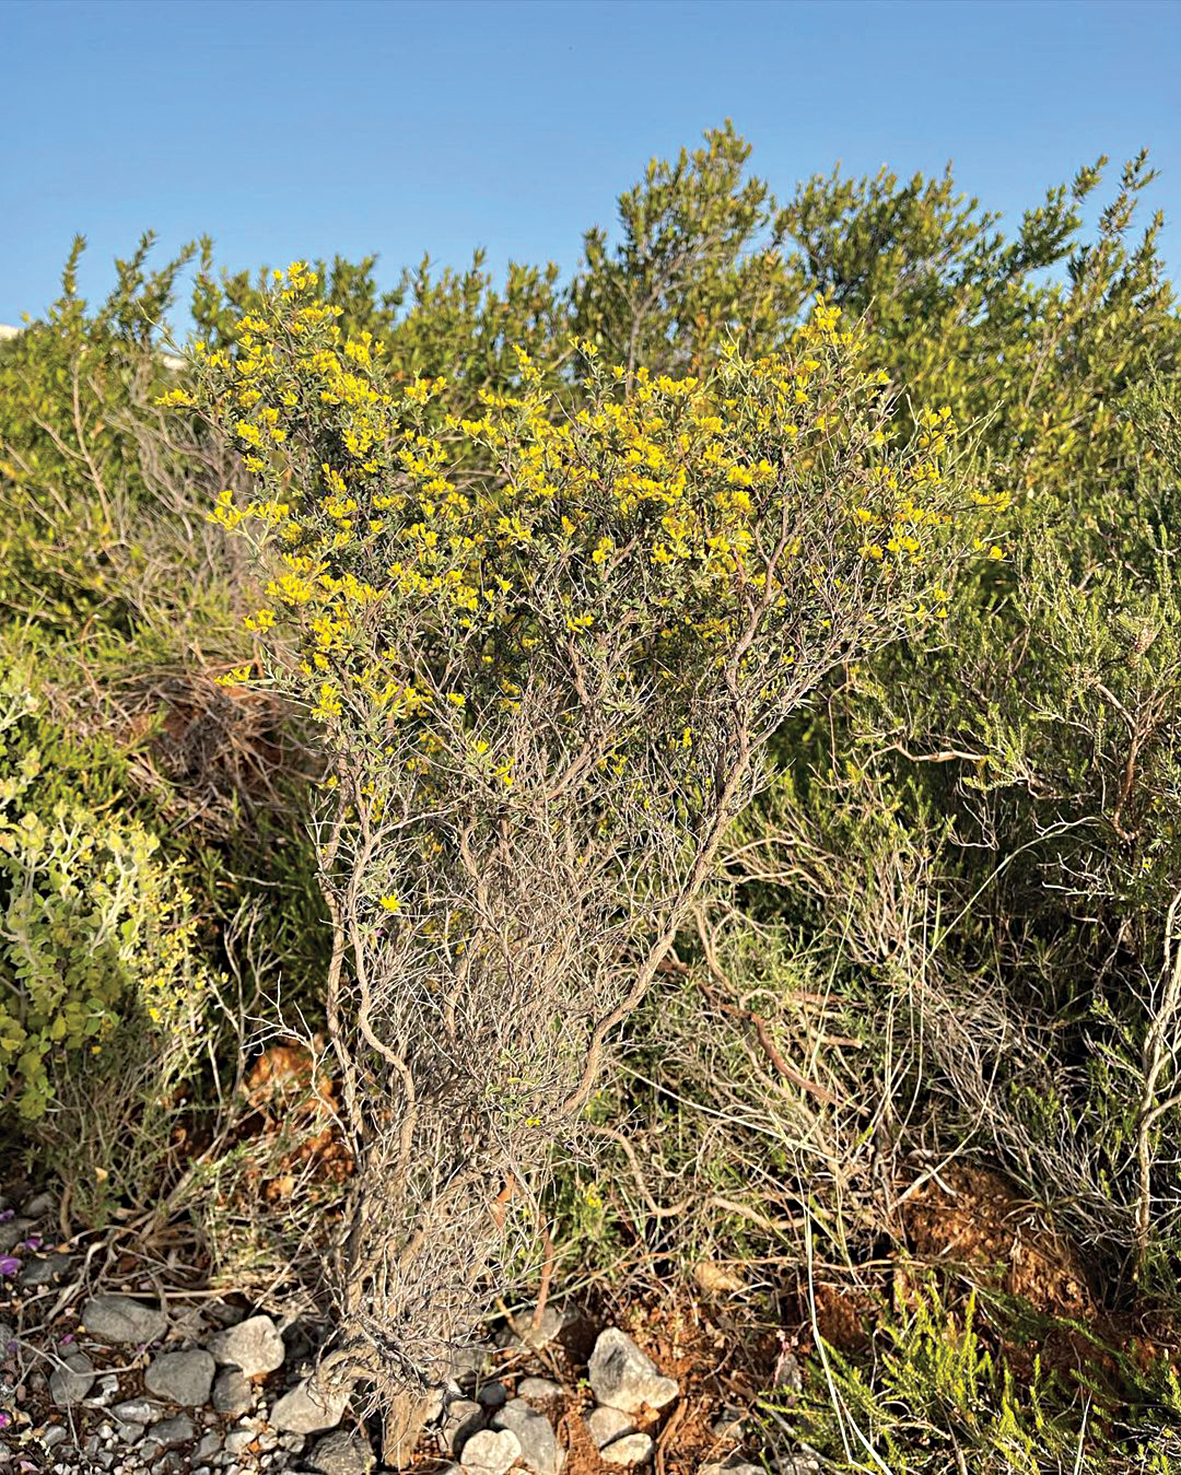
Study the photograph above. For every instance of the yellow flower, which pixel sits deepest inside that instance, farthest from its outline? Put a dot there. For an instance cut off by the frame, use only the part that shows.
(176, 399)
(329, 704)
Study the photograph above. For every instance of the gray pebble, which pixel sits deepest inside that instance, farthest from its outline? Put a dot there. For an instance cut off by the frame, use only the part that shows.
(12, 1233)
(137, 1411)
(343, 1453)
(183, 1377)
(255, 1345)
(119, 1319)
(520, 1334)
(539, 1446)
(168, 1433)
(43, 1270)
(538, 1390)
(73, 1381)
(209, 1446)
(232, 1393)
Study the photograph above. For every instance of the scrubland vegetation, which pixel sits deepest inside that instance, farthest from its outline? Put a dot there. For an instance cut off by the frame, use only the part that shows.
(661, 783)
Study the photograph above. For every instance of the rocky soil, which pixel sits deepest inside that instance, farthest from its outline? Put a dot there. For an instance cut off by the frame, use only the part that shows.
(125, 1382)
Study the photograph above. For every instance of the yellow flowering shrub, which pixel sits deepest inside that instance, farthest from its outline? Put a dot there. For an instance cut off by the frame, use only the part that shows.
(547, 645)
(676, 515)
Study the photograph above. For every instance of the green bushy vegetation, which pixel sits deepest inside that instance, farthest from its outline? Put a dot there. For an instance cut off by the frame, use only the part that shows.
(316, 629)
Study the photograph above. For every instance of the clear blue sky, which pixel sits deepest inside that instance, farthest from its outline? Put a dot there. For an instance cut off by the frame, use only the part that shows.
(295, 128)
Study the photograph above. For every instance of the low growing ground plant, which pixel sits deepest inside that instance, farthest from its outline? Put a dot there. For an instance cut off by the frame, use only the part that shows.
(104, 985)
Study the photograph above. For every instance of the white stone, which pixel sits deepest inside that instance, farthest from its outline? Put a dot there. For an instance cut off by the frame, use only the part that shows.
(624, 1377)
(632, 1449)
(137, 1411)
(306, 1410)
(606, 1424)
(254, 1345)
(491, 1451)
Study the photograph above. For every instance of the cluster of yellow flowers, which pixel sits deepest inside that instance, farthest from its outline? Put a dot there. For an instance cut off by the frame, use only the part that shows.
(540, 522)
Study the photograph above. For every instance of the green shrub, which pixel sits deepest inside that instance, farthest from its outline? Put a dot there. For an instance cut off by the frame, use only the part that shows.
(98, 933)
(937, 1394)
(546, 653)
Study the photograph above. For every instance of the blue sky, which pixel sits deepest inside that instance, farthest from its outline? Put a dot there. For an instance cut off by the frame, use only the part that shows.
(295, 128)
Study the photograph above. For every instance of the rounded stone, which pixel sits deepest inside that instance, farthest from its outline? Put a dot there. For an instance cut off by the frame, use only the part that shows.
(254, 1345)
(540, 1451)
(606, 1424)
(632, 1449)
(71, 1382)
(182, 1377)
(307, 1410)
(232, 1393)
(623, 1377)
(491, 1451)
(521, 1334)
(137, 1411)
(169, 1433)
(538, 1390)
(343, 1453)
(119, 1319)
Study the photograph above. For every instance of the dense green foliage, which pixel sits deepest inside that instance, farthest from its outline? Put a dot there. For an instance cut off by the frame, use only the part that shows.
(948, 930)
